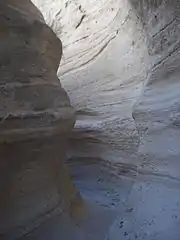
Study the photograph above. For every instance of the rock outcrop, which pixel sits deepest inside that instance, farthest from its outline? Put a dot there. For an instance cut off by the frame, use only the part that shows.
(35, 120)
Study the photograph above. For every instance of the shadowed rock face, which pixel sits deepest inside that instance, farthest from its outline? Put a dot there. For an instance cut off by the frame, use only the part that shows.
(35, 120)
(30, 55)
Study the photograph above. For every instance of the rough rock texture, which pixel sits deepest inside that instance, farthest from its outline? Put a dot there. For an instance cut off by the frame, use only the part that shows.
(35, 120)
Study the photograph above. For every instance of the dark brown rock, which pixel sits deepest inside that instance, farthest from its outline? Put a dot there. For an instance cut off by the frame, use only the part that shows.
(35, 120)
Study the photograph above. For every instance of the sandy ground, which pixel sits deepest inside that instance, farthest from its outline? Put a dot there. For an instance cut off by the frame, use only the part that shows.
(118, 207)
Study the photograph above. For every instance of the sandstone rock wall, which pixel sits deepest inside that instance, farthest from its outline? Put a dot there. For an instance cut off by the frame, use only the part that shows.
(35, 120)
(110, 43)
(120, 67)
(157, 111)
(121, 70)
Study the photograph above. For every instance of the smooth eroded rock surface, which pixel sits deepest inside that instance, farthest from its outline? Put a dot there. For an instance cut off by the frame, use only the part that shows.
(120, 67)
(35, 120)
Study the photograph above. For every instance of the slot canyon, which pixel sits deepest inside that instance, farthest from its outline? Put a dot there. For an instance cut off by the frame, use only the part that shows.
(90, 119)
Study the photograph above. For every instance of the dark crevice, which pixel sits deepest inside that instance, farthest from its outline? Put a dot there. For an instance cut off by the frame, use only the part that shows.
(175, 49)
(81, 20)
(162, 29)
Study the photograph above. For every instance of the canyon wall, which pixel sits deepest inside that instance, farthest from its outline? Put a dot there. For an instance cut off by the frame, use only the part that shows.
(157, 111)
(35, 120)
(120, 68)
(103, 68)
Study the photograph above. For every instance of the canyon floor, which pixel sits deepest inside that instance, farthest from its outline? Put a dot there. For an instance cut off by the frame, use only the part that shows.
(118, 204)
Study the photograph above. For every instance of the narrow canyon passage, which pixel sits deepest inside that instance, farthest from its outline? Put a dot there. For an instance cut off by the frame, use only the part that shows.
(120, 68)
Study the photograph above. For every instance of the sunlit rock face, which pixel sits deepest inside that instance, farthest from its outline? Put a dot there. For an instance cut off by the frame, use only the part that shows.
(35, 120)
(103, 68)
(120, 67)
(157, 110)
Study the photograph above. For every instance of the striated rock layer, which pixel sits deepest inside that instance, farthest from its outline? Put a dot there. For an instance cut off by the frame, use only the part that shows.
(121, 70)
(120, 67)
(157, 111)
(103, 68)
(35, 120)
